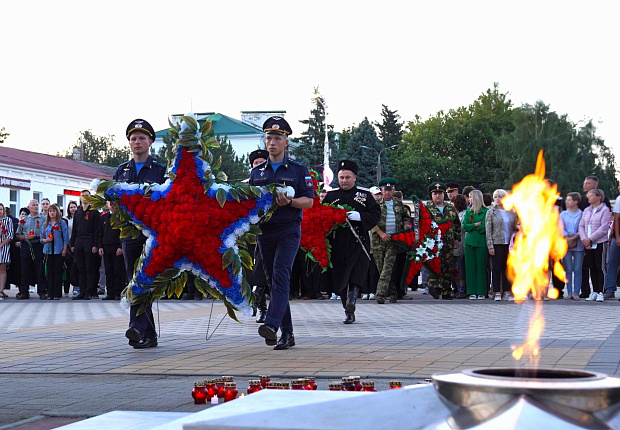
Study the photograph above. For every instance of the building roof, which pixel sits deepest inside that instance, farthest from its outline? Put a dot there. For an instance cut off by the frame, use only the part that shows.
(222, 125)
(53, 163)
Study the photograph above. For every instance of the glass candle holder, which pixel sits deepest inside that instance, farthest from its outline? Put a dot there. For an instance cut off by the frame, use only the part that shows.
(211, 389)
(311, 383)
(264, 380)
(199, 393)
(369, 386)
(230, 391)
(254, 386)
(297, 384)
(396, 384)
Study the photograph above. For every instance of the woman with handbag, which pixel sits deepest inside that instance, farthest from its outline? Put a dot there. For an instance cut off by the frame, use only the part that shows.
(573, 260)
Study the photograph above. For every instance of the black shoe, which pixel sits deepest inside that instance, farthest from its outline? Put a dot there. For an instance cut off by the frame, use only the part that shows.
(188, 297)
(446, 297)
(146, 343)
(109, 298)
(393, 300)
(351, 299)
(461, 296)
(584, 295)
(350, 319)
(43, 296)
(79, 297)
(262, 315)
(609, 296)
(286, 341)
(433, 292)
(133, 335)
(21, 296)
(198, 297)
(48, 298)
(269, 333)
(380, 300)
(93, 296)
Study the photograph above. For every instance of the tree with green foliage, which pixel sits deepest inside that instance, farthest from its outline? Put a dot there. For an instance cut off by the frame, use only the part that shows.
(3, 135)
(364, 147)
(236, 168)
(164, 153)
(100, 149)
(570, 153)
(455, 146)
(390, 129)
(309, 147)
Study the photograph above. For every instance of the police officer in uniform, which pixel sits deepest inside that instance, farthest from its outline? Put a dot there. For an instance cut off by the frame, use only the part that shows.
(442, 211)
(384, 251)
(281, 234)
(350, 262)
(142, 168)
(258, 278)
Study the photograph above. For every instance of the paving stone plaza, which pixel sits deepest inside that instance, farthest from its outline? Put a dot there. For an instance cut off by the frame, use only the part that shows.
(70, 359)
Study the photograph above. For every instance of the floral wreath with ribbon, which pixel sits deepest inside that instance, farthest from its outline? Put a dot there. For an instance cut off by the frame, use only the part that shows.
(317, 223)
(426, 248)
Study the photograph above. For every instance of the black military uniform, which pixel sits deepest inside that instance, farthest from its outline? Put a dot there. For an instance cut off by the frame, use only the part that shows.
(141, 332)
(109, 242)
(350, 262)
(83, 239)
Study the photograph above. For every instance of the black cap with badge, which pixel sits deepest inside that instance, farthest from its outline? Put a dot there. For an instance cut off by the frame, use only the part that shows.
(140, 125)
(277, 125)
(348, 165)
(258, 153)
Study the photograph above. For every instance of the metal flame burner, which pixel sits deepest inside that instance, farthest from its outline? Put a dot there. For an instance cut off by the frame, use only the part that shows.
(530, 398)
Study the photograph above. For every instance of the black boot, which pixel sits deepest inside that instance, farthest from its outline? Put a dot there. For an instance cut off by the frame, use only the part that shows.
(261, 304)
(349, 307)
(350, 319)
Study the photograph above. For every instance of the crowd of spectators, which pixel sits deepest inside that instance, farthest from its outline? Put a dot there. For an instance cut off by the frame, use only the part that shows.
(77, 255)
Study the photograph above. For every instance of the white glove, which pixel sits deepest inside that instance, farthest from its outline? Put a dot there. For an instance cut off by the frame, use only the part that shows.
(354, 216)
(288, 191)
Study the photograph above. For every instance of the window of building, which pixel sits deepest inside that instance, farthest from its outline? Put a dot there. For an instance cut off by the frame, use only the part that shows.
(13, 199)
(37, 195)
(60, 201)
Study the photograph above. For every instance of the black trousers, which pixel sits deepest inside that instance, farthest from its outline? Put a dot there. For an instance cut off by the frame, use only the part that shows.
(32, 270)
(594, 257)
(84, 259)
(54, 275)
(498, 269)
(114, 270)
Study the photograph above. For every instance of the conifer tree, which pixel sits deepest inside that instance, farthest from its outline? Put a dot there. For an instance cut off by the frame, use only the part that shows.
(364, 147)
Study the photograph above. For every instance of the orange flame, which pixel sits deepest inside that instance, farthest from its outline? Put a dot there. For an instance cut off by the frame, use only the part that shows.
(540, 238)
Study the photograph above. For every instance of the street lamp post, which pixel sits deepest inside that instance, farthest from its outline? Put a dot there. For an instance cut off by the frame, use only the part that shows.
(379, 158)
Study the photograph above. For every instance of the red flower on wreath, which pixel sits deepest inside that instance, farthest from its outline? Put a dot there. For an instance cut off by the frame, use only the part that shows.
(316, 224)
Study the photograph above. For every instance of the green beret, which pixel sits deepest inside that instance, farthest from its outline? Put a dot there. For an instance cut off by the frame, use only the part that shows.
(388, 182)
(436, 186)
(414, 198)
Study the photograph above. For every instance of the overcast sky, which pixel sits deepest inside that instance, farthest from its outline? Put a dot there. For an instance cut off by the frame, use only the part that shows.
(68, 66)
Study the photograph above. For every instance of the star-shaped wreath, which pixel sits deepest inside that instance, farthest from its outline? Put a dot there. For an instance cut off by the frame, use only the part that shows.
(192, 223)
(316, 224)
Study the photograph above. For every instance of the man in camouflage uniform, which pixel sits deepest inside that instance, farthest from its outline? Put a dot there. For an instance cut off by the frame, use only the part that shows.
(442, 211)
(383, 249)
